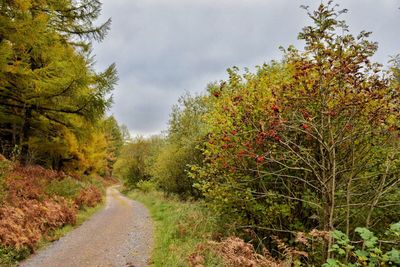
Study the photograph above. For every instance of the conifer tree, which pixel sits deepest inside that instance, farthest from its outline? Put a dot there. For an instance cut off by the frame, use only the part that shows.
(48, 70)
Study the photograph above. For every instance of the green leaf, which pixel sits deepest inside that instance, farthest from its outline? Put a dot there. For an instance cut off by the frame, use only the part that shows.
(394, 256)
(395, 228)
(340, 238)
(331, 263)
(369, 238)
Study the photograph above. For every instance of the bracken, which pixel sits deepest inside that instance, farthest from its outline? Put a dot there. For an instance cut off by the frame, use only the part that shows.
(26, 223)
(89, 197)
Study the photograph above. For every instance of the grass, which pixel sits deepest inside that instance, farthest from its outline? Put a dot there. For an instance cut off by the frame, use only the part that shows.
(179, 228)
(9, 257)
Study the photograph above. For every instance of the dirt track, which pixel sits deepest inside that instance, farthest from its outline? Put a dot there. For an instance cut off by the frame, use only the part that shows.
(119, 235)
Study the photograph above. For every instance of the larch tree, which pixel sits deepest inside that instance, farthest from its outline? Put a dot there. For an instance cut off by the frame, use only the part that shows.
(48, 70)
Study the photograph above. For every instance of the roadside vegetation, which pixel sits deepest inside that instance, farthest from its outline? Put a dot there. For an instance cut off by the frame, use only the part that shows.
(179, 227)
(300, 159)
(40, 205)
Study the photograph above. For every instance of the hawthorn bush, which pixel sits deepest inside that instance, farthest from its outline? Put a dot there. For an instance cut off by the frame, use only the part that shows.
(310, 142)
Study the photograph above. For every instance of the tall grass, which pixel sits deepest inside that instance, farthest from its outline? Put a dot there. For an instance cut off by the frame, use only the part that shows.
(179, 228)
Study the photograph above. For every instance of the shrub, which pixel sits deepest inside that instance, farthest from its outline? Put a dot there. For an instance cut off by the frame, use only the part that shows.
(146, 186)
(29, 182)
(132, 165)
(371, 251)
(8, 256)
(67, 188)
(36, 202)
(96, 181)
(5, 167)
(181, 149)
(302, 143)
(88, 197)
(235, 252)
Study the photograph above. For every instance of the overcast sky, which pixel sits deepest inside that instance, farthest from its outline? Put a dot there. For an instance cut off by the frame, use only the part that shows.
(166, 47)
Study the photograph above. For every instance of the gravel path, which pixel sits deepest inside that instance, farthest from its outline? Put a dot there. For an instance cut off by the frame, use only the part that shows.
(119, 235)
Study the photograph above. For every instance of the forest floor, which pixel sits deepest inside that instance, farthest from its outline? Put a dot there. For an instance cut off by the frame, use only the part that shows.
(119, 235)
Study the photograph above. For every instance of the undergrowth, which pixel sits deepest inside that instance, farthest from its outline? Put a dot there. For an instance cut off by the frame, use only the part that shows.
(188, 233)
(10, 256)
(179, 228)
(39, 205)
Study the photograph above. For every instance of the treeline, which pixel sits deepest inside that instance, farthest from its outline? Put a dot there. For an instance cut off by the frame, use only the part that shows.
(166, 159)
(305, 150)
(52, 101)
(54, 133)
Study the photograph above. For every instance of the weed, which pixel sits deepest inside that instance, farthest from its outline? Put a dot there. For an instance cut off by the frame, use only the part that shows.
(89, 197)
(179, 228)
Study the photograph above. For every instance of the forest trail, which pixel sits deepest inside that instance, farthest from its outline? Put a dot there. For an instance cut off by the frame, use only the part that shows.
(119, 235)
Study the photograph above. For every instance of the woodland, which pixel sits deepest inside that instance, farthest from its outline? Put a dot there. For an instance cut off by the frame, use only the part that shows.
(300, 157)
(297, 162)
(56, 141)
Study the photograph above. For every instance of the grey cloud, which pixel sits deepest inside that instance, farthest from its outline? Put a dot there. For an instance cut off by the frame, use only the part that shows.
(164, 47)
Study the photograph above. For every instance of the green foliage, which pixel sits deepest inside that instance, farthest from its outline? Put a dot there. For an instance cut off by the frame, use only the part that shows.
(167, 161)
(115, 141)
(307, 142)
(370, 252)
(179, 228)
(170, 170)
(49, 92)
(5, 167)
(134, 163)
(68, 188)
(181, 150)
(146, 186)
(9, 256)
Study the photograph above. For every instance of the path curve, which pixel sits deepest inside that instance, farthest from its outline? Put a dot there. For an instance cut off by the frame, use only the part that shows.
(119, 235)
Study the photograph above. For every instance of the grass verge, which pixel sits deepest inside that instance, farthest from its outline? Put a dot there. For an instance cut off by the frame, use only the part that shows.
(179, 228)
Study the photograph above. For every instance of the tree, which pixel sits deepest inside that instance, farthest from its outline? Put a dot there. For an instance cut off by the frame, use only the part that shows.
(181, 150)
(49, 72)
(135, 161)
(115, 141)
(311, 142)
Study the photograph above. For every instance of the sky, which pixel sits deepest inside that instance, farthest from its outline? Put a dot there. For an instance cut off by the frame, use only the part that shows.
(165, 48)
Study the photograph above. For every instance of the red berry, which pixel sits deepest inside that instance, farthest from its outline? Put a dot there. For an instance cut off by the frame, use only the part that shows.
(260, 159)
(275, 108)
